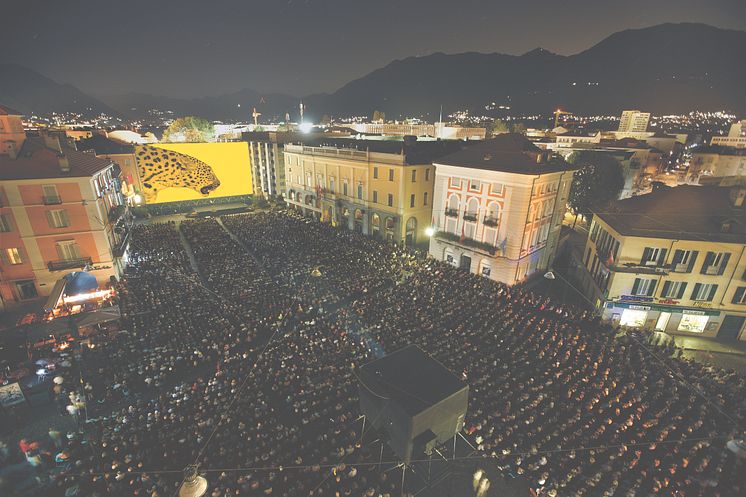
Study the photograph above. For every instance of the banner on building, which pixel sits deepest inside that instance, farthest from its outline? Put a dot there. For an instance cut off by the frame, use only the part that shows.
(11, 395)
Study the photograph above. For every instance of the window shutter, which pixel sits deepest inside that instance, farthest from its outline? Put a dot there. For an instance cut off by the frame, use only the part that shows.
(60, 251)
(708, 262)
(695, 292)
(635, 286)
(646, 255)
(666, 288)
(692, 260)
(738, 296)
(662, 257)
(65, 218)
(682, 288)
(724, 263)
(677, 256)
(50, 219)
(651, 288)
(4, 257)
(712, 292)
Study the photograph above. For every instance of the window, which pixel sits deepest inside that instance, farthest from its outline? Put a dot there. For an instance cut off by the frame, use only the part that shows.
(644, 287)
(427, 174)
(740, 296)
(375, 197)
(344, 188)
(391, 200)
(497, 188)
(456, 182)
(704, 292)
(51, 196)
(4, 224)
(683, 261)
(360, 191)
(474, 185)
(309, 180)
(715, 263)
(58, 219)
(653, 256)
(12, 256)
(673, 289)
(391, 175)
(634, 318)
(331, 185)
(414, 175)
(693, 323)
(68, 250)
(411, 200)
(424, 198)
(375, 173)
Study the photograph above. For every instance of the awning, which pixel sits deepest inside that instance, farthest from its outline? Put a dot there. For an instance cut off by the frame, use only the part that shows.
(99, 316)
(54, 297)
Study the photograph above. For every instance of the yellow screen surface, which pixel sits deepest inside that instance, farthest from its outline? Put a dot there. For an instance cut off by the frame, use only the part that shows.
(172, 172)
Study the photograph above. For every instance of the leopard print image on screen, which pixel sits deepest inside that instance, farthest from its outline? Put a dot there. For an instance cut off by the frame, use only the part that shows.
(160, 169)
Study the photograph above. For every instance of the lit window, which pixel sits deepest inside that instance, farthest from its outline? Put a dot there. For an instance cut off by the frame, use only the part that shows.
(633, 318)
(693, 323)
(12, 256)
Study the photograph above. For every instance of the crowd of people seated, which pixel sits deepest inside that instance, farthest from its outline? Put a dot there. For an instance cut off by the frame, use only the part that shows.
(243, 358)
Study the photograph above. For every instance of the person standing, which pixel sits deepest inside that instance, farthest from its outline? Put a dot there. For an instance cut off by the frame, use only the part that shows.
(56, 437)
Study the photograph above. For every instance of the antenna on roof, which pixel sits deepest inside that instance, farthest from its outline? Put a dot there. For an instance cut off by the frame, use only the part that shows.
(440, 122)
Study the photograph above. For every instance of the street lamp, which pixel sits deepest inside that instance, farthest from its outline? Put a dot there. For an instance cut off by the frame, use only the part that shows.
(429, 231)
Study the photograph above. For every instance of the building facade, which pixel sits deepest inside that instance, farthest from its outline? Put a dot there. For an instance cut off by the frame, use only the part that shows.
(717, 162)
(123, 155)
(736, 136)
(382, 189)
(672, 260)
(498, 208)
(634, 121)
(60, 211)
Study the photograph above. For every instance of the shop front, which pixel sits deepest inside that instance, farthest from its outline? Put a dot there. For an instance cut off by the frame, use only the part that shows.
(666, 318)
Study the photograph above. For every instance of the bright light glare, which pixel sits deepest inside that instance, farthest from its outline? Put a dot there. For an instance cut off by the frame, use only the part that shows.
(429, 231)
(305, 127)
(137, 198)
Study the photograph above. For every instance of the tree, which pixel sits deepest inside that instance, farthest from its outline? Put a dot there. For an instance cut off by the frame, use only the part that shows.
(379, 116)
(518, 128)
(597, 182)
(496, 127)
(190, 129)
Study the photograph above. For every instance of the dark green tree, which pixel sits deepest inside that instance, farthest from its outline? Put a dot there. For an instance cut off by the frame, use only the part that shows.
(379, 116)
(189, 129)
(496, 127)
(597, 182)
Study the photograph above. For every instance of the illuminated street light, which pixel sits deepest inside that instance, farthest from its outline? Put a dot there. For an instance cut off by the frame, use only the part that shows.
(429, 231)
(194, 485)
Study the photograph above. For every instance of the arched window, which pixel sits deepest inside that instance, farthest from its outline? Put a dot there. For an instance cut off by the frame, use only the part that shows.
(493, 212)
(472, 207)
(453, 202)
(390, 228)
(375, 221)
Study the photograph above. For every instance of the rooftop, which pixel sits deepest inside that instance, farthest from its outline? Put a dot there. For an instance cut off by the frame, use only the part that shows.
(705, 213)
(7, 111)
(104, 146)
(411, 378)
(720, 150)
(36, 161)
(510, 153)
(415, 152)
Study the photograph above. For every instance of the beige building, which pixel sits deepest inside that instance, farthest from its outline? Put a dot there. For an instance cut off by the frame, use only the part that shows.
(498, 208)
(717, 162)
(736, 136)
(672, 260)
(379, 188)
(634, 121)
(437, 130)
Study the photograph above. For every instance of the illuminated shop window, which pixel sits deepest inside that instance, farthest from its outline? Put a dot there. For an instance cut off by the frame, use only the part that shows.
(634, 318)
(693, 323)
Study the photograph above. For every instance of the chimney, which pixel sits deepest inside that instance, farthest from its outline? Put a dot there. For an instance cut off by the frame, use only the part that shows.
(64, 163)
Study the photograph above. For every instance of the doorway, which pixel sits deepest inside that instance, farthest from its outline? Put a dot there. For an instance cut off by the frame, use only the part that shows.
(731, 327)
(465, 263)
(26, 289)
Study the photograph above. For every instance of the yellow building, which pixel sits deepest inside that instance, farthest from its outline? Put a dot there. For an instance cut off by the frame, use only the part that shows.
(672, 260)
(379, 188)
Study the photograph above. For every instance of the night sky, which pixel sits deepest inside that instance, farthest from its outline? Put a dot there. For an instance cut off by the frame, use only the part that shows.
(190, 48)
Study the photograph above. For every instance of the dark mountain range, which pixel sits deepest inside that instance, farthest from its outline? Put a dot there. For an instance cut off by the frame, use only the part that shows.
(669, 68)
(28, 91)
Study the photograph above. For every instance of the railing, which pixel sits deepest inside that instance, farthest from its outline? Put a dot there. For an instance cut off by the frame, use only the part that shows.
(490, 221)
(451, 213)
(470, 217)
(51, 199)
(63, 264)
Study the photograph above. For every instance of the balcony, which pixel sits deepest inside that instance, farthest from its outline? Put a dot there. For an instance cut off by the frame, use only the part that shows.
(466, 242)
(64, 264)
(470, 216)
(451, 213)
(491, 221)
(51, 200)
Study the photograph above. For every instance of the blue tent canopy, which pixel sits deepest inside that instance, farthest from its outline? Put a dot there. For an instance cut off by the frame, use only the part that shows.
(80, 282)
